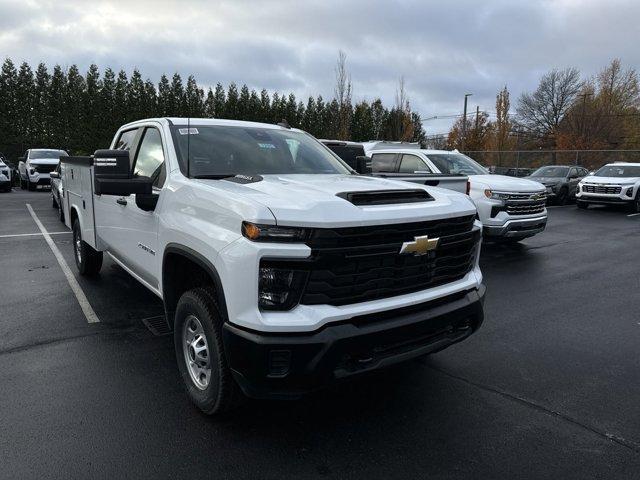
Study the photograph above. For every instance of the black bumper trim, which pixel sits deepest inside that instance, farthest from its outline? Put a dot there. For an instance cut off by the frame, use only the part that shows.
(288, 365)
(604, 200)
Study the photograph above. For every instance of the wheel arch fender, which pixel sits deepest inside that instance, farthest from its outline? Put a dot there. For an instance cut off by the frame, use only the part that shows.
(171, 292)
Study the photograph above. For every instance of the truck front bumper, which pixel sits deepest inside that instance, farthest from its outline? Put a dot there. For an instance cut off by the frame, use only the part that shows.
(516, 228)
(289, 365)
(605, 199)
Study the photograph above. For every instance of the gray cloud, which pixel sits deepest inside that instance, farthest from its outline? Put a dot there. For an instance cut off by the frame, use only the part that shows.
(443, 49)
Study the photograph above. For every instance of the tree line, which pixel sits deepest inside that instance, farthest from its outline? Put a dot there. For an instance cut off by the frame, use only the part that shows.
(64, 108)
(564, 112)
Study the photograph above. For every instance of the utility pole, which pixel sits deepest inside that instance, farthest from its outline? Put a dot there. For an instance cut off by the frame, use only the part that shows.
(584, 105)
(477, 117)
(464, 122)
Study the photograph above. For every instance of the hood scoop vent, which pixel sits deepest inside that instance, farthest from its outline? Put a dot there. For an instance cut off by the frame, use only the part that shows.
(386, 197)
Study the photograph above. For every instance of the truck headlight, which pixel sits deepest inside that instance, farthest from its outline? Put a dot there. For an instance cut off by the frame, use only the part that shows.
(272, 233)
(495, 195)
(279, 288)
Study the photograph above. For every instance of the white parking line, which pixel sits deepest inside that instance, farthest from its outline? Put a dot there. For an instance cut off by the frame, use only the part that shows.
(31, 234)
(633, 214)
(73, 283)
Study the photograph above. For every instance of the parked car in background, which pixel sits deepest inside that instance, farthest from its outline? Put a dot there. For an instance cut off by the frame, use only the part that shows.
(353, 154)
(36, 165)
(510, 171)
(613, 184)
(561, 181)
(57, 192)
(5, 176)
(509, 208)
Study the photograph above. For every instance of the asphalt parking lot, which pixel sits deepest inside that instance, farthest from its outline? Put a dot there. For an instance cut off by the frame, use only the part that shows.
(548, 388)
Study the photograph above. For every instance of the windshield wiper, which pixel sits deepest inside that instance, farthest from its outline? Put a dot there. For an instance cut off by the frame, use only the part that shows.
(214, 176)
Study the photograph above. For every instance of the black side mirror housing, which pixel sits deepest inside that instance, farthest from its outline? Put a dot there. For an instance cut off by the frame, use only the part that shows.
(147, 202)
(363, 165)
(112, 175)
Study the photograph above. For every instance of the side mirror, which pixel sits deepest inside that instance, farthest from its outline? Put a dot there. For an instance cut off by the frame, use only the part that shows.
(363, 165)
(112, 175)
(147, 202)
(54, 175)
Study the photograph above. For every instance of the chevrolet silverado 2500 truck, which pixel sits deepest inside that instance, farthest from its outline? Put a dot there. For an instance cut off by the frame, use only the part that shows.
(280, 268)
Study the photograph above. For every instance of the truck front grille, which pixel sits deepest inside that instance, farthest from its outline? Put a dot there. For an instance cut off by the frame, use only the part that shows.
(610, 189)
(525, 208)
(352, 265)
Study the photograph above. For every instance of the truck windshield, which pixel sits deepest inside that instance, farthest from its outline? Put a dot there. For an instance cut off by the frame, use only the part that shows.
(551, 172)
(619, 171)
(221, 150)
(47, 153)
(457, 163)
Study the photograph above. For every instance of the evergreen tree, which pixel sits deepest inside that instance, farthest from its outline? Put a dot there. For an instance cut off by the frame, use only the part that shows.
(362, 127)
(243, 103)
(135, 97)
(91, 113)
(73, 111)
(265, 106)
(254, 107)
(379, 116)
(120, 108)
(231, 105)
(106, 102)
(56, 108)
(165, 106)
(176, 97)
(209, 105)
(150, 100)
(219, 102)
(24, 103)
(8, 81)
(40, 102)
(193, 99)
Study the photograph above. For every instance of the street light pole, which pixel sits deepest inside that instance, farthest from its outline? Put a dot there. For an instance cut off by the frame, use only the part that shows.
(464, 121)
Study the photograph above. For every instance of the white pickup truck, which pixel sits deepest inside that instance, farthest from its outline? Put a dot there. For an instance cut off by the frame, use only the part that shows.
(36, 165)
(509, 208)
(281, 269)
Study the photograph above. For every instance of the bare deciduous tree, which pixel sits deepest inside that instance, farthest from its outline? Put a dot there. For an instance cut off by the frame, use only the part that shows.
(542, 111)
(342, 92)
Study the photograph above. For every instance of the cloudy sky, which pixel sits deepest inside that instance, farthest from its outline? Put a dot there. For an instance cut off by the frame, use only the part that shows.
(443, 49)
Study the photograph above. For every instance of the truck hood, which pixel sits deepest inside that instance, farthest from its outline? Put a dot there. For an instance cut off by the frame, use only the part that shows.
(43, 161)
(311, 200)
(504, 183)
(611, 180)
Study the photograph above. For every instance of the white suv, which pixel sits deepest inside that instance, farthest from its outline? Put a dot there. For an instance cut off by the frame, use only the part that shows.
(509, 208)
(613, 184)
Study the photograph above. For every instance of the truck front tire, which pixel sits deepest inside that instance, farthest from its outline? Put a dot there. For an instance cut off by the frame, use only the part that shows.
(88, 260)
(200, 353)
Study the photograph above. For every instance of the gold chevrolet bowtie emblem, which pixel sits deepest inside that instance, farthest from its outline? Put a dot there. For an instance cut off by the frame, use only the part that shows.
(420, 245)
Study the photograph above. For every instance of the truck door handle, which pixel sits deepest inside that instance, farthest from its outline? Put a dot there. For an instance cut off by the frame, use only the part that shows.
(121, 201)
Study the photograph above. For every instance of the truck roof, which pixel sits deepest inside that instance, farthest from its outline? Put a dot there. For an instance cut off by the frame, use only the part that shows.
(209, 121)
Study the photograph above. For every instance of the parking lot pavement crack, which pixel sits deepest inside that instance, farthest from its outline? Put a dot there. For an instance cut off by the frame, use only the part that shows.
(53, 341)
(630, 445)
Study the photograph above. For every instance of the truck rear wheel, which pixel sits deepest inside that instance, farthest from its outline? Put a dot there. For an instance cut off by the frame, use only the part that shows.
(200, 353)
(88, 260)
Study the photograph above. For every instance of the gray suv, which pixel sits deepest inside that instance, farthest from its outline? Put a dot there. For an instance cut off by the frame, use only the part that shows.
(560, 180)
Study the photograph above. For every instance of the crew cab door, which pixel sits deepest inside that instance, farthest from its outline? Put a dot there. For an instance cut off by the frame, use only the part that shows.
(131, 232)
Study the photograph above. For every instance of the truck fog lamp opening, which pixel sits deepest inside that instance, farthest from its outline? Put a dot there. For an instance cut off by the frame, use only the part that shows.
(629, 192)
(278, 288)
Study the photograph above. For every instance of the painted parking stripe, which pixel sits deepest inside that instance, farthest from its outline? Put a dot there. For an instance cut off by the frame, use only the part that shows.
(39, 234)
(633, 214)
(73, 283)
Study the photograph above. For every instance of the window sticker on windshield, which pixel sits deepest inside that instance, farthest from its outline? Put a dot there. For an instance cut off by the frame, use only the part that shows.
(266, 145)
(188, 131)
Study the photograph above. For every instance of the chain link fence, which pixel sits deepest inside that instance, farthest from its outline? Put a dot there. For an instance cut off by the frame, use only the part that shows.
(522, 162)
